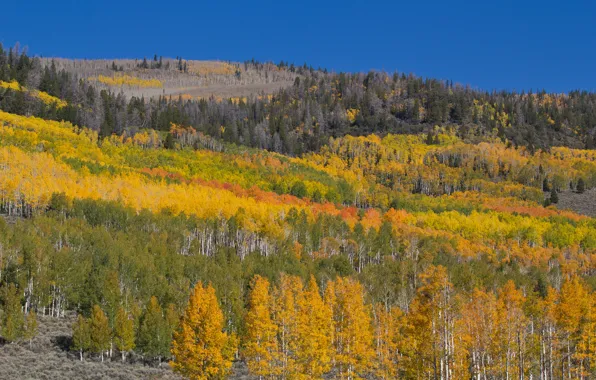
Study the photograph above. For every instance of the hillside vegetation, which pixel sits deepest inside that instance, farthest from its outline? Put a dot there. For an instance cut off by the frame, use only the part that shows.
(318, 232)
(190, 79)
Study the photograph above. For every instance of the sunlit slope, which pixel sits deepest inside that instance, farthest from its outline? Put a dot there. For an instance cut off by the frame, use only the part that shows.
(191, 79)
(486, 204)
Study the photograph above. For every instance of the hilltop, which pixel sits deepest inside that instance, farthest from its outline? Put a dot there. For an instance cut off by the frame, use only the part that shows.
(288, 108)
(191, 79)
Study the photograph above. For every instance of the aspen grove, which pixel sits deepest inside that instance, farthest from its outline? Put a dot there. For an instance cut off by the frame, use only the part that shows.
(350, 226)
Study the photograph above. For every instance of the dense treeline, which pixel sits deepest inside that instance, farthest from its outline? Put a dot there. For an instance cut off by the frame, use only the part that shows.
(413, 319)
(496, 222)
(363, 171)
(293, 331)
(28, 73)
(403, 317)
(319, 105)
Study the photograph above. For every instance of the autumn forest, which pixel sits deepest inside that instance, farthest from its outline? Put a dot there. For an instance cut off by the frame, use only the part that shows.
(296, 223)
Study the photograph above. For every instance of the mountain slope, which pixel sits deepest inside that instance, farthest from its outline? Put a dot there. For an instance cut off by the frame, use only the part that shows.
(347, 225)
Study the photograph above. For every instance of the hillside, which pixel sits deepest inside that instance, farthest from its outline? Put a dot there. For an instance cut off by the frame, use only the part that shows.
(584, 203)
(48, 357)
(326, 229)
(253, 103)
(190, 79)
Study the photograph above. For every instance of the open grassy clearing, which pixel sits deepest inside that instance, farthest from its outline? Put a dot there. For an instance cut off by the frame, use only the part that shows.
(201, 78)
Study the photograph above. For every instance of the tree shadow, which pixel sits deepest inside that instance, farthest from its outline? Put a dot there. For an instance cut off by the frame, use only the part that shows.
(63, 342)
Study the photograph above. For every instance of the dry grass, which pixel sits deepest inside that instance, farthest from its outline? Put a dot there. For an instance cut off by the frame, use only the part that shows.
(211, 67)
(223, 91)
(203, 79)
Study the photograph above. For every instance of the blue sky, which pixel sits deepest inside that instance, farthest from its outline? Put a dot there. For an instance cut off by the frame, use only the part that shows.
(487, 44)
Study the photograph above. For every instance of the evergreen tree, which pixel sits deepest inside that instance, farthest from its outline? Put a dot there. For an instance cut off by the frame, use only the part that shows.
(581, 186)
(429, 138)
(317, 196)
(416, 111)
(298, 189)
(169, 142)
(554, 197)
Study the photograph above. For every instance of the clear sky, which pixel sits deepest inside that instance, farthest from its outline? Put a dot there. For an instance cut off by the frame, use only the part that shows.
(524, 44)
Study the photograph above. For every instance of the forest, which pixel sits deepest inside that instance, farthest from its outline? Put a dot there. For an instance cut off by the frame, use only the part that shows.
(350, 226)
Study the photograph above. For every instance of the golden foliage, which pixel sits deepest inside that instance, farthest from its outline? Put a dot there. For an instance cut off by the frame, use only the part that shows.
(260, 342)
(120, 80)
(41, 95)
(211, 67)
(353, 335)
(351, 113)
(201, 348)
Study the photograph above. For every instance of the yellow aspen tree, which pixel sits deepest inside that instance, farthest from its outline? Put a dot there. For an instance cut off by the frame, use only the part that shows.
(575, 318)
(431, 320)
(353, 333)
(30, 329)
(458, 355)
(200, 346)
(587, 344)
(124, 336)
(389, 340)
(314, 334)
(287, 296)
(548, 330)
(99, 330)
(260, 340)
(535, 356)
(511, 332)
(476, 328)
